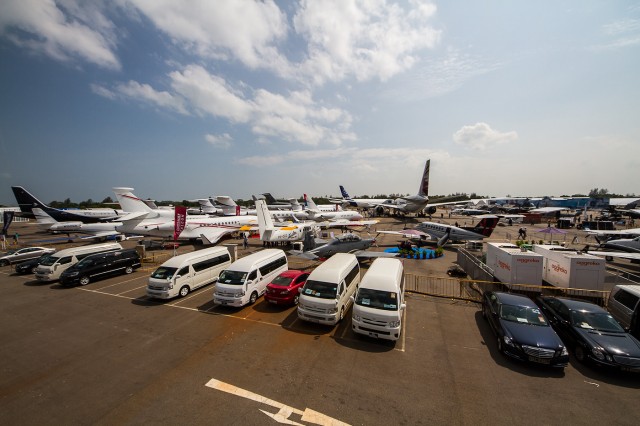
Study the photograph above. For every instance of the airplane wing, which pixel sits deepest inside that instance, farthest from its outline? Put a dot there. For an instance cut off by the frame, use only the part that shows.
(612, 254)
(370, 254)
(408, 233)
(344, 222)
(213, 235)
(304, 255)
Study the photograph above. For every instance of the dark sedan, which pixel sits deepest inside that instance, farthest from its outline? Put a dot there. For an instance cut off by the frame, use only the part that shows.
(592, 332)
(29, 266)
(523, 331)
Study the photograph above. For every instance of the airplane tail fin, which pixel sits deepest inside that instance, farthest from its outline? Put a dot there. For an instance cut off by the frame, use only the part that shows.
(42, 217)
(265, 223)
(344, 193)
(424, 183)
(130, 203)
(310, 203)
(486, 225)
(26, 201)
(269, 198)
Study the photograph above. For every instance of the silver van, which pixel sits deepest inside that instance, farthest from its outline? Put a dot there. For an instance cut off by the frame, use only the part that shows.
(623, 305)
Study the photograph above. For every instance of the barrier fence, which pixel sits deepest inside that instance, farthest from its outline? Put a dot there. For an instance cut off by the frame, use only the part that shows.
(472, 290)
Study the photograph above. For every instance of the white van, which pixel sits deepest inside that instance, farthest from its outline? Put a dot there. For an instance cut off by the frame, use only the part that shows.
(187, 272)
(326, 296)
(52, 266)
(246, 279)
(379, 300)
(624, 306)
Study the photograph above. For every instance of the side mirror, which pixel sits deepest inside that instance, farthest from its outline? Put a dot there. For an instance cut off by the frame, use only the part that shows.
(403, 306)
(353, 299)
(300, 290)
(177, 276)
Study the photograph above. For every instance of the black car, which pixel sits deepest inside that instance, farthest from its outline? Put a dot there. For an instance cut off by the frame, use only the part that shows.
(592, 332)
(523, 331)
(29, 266)
(101, 265)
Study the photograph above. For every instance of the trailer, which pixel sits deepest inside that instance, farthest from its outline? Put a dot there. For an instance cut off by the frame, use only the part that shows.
(570, 268)
(512, 265)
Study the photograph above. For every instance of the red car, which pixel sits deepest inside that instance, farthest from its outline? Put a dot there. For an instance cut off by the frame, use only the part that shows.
(283, 290)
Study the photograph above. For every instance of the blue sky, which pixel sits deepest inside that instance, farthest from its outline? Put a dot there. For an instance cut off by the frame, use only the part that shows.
(188, 99)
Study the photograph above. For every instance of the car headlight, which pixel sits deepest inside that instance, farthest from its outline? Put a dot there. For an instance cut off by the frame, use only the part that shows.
(508, 341)
(598, 353)
(394, 324)
(239, 294)
(564, 352)
(356, 317)
(333, 310)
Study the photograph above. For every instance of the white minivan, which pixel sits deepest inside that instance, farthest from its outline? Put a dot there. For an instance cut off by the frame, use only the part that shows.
(51, 267)
(246, 279)
(184, 273)
(326, 296)
(379, 300)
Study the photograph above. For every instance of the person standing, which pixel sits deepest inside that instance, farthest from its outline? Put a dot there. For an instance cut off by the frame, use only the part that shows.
(245, 241)
(15, 238)
(3, 240)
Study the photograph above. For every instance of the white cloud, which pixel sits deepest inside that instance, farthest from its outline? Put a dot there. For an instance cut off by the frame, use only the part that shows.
(481, 136)
(242, 30)
(142, 93)
(78, 32)
(219, 141)
(364, 39)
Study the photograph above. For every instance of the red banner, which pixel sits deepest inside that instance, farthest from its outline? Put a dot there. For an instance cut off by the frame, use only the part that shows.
(179, 221)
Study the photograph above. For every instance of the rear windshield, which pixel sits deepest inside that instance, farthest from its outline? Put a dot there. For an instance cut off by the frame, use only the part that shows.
(387, 300)
(282, 281)
(320, 289)
(164, 273)
(232, 277)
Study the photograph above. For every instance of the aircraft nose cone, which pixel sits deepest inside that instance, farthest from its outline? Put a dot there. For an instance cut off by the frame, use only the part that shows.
(358, 217)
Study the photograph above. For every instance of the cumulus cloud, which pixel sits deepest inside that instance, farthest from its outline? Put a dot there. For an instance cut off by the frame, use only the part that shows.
(481, 136)
(142, 93)
(77, 32)
(219, 141)
(362, 39)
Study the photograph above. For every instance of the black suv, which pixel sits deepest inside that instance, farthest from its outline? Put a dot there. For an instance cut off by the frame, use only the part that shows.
(100, 265)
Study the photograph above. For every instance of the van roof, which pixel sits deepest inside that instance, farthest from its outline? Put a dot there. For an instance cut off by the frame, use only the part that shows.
(247, 262)
(383, 274)
(331, 269)
(177, 261)
(90, 248)
(631, 288)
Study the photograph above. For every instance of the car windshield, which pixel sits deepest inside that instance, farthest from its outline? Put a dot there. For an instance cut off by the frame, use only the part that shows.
(387, 300)
(232, 277)
(282, 281)
(164, 273)
(49, 260)
(320, 289)
(522, 315)
(599, 321)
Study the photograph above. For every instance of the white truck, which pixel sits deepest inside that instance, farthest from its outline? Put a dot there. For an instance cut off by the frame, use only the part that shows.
(512, 265)
(571, 269)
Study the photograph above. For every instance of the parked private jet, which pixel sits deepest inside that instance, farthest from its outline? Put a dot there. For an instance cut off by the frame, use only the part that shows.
(269, 232)
(95, 230)
(345, 243)
(27, 202)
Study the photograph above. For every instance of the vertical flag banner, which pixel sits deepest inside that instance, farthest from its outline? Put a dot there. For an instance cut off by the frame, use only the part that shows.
(7, 218)
(237, 210)
(179, 221)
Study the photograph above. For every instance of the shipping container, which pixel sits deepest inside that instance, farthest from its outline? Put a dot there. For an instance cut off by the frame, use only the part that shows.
(513, 265)
(571, 269)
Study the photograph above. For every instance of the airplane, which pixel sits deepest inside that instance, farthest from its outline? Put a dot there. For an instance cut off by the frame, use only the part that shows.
(143, 220)
(318, 215)
(602, 236)
(27, 202)
(442, 233)
(361, 203)
(630, 245)
(101, 230)
(345, 243)
(269, 232)
(413, 203)
(272, 203)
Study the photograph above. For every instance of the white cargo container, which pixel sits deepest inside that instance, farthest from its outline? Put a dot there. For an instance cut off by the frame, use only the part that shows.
(571, 269)
(512, 265)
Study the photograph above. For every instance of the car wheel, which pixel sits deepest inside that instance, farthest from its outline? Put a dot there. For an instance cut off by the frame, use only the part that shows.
(128, 270)
(84, 280)
(184, 291)
(579, 353)
(253, 298)
(342, 313)
(33, 270)
(296, 299)
(4, 262)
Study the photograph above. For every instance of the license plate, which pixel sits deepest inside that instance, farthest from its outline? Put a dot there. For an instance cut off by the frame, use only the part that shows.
(630, 369)
(539, 360)
(275, 302)
(373, 334)
(224, 302)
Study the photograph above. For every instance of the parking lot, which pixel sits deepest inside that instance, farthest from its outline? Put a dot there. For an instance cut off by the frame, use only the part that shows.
(105, 354)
